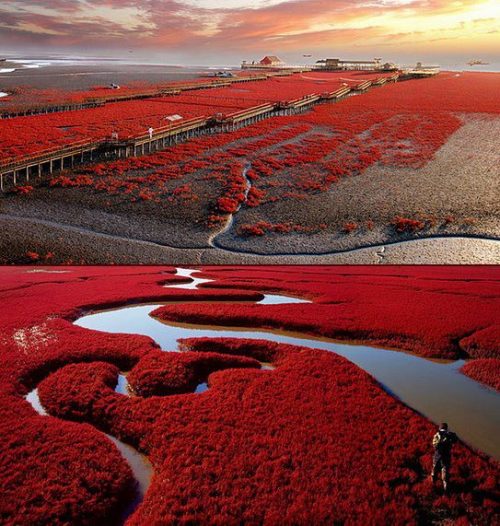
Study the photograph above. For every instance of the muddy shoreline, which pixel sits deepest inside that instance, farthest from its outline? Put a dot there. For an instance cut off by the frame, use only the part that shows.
(78, 246)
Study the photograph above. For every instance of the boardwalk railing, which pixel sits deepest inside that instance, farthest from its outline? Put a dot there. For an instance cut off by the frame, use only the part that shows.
(363, 86)
(49, 159)
(337, 94)
(253, 114)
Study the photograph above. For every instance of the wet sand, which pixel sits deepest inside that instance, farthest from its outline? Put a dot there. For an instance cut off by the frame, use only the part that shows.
(75, 245)
(461, 182)
(74, 75)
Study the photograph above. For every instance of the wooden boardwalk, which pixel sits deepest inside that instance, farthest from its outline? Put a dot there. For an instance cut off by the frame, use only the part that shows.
(23, 169)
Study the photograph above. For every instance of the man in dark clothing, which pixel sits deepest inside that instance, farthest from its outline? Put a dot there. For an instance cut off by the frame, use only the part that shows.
(442, 442)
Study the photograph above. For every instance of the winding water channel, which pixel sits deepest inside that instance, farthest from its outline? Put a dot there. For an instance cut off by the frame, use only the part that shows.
(213, 240)
(434, 388)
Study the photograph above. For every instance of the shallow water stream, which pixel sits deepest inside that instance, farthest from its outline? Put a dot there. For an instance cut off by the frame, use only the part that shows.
(139, 464)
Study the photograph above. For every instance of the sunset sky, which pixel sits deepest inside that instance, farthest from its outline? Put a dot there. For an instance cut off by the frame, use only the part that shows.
(226, 31)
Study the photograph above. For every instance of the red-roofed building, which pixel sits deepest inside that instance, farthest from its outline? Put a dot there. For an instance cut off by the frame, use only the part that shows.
(271, 61)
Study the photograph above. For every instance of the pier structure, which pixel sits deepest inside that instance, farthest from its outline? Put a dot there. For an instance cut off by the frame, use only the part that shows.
(363, 86)
(23, 169)
(47, 162)
(160, 139)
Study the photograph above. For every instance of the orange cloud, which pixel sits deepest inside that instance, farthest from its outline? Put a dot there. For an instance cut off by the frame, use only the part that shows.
(201, 27)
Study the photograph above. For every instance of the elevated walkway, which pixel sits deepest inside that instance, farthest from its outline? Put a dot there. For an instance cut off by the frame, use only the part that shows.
(13, 170)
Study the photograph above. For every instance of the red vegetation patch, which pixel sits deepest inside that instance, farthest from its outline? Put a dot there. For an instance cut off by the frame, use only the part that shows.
(254, 197)
(23, 190)
(421, 309)
(64, 181)
(286, 441)
(314, 441)
(227, 205)
(268, 353)
(485, 370)
(350, 227)
(166, 374)
(262, 227)
(133, 117)
(259, 229)
(56, 472)
(292, 157)
(405, 224)
(33, 256)
(74, 379)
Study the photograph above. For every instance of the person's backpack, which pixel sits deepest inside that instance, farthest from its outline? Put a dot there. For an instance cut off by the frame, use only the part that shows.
(443, 441)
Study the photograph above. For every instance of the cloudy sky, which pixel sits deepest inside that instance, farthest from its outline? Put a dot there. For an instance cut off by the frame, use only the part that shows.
(226, 31)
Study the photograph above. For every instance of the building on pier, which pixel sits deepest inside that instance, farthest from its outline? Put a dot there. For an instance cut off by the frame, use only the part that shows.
(269, 61)
(336, 64)
(421, 70)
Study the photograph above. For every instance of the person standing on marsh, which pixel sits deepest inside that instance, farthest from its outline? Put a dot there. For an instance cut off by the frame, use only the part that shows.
(442, 442)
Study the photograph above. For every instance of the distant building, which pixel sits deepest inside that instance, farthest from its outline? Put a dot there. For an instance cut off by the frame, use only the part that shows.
(271, 61)
(390, 66)
(421, 70)
(335, 64)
